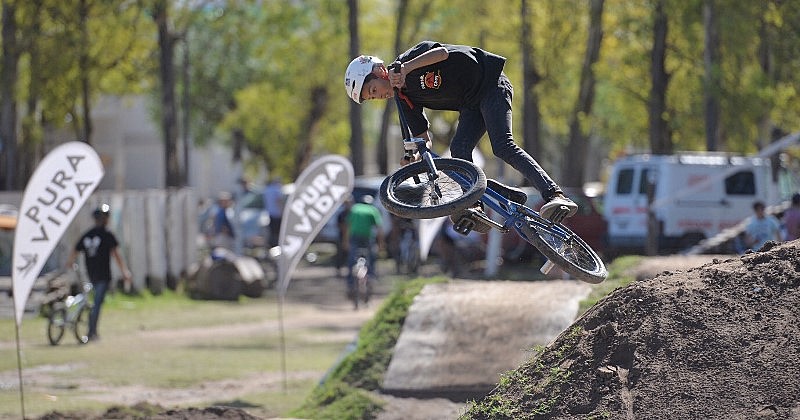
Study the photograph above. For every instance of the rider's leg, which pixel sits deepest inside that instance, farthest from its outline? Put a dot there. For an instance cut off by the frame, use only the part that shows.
(496, 110)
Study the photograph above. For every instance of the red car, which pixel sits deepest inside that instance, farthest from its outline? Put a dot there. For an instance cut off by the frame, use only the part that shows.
(588, 223)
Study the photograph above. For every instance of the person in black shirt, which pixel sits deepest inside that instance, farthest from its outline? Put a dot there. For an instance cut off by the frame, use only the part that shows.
(457, 78)
(98, 245)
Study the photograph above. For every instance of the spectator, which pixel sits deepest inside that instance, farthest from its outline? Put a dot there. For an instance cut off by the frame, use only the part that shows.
(273, 201)
(98, 246)
(791, 219)
(363, 230)
(222, 231)
(761, 228)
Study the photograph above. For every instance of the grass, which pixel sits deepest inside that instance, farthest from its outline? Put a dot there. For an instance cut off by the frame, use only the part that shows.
(345, 393)
(134, 352)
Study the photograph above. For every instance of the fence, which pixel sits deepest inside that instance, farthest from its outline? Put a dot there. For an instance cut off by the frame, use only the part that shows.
(157, 230)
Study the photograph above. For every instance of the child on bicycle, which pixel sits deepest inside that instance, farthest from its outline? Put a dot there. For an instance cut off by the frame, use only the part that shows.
(464, 79)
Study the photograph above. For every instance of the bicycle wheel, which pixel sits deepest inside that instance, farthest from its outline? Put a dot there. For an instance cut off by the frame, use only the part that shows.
(412, 193)
(567, 250)
(82, 325)
(56, 323)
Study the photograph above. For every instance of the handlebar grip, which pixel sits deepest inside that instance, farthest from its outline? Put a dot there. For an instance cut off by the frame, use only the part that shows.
(395, 66)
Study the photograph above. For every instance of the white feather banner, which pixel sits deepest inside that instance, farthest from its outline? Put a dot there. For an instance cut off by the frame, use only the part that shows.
(59, 187)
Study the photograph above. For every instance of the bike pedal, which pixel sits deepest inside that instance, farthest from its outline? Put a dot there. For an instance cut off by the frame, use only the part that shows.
(475, 219)
(464, 225)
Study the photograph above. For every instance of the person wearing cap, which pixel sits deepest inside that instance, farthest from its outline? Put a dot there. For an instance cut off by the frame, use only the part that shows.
(222, 234)
(98, 245)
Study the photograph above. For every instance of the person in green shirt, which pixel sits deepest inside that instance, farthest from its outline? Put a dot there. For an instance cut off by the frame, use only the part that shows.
(364, 235)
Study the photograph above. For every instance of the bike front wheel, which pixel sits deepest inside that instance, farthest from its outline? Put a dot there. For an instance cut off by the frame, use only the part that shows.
(56, 323)
(566, 249)
(414, 192)
(82, 324)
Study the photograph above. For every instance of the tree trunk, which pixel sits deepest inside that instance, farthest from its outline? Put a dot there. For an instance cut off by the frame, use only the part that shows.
(660, 136)
(577, 150)
(8, 107)
(356, 130)
(382, 150)
(166, 43)
(32, 133)
(767, 63)
(711, 85)
(531, 116)
(83, 68)
(319, 104)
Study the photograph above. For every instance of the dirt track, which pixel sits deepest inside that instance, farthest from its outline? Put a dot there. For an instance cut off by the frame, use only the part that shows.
(717, 342)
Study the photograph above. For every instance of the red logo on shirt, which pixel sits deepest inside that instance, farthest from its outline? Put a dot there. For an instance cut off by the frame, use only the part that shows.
(430, 80)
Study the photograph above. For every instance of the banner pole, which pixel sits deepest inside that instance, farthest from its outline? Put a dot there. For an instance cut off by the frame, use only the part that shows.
(283, 341)
(19, 372)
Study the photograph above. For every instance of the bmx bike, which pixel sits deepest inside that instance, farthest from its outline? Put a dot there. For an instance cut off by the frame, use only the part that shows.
(71, 313)
(435, 186)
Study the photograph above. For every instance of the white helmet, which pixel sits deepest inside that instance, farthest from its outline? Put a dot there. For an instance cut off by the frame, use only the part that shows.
(356, 72)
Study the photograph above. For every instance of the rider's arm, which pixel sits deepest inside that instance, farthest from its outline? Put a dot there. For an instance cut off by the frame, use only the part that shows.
(432, 56)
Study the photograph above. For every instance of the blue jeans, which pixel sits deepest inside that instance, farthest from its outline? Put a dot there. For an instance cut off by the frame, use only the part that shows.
(493, 115)
(100, 289)
(358, 246)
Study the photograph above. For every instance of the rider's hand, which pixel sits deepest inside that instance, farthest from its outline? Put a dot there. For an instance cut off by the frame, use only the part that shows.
(405, 160)
(398, 80)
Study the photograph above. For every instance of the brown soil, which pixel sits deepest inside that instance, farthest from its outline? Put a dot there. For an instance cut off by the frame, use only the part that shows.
(721, 341)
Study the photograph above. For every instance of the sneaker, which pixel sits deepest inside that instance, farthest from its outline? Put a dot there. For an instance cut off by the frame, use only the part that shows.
(558, 208)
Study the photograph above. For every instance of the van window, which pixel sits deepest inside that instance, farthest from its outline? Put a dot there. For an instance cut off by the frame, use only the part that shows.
(741, 183)
(625, 181)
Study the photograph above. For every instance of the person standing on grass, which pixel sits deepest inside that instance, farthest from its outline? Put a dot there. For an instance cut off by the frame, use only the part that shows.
(98, 245)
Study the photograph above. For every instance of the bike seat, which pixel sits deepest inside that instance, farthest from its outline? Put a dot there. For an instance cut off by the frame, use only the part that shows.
(512, 193)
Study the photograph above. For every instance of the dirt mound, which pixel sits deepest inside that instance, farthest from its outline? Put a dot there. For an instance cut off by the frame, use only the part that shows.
(718, 341)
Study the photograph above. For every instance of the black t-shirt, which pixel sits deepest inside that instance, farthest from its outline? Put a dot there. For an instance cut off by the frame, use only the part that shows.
(456, 83)
(96, 245)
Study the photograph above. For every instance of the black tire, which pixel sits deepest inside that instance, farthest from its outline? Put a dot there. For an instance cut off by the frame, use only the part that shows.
(403, 196)
(56, 323)
(567, 250)
(82, 325)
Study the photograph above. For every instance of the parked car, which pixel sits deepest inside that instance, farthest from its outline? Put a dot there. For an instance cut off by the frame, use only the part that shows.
(588, 223)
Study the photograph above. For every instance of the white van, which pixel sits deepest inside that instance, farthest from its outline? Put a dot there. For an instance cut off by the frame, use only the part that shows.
(695, 196)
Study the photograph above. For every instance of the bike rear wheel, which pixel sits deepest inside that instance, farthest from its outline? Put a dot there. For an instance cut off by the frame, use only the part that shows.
(413, 192)
(56, 323)
(566, 249)
(82, 325)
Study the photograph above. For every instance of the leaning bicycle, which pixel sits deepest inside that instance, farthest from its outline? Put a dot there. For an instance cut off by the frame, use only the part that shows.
(435, 186)
(71, 313)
